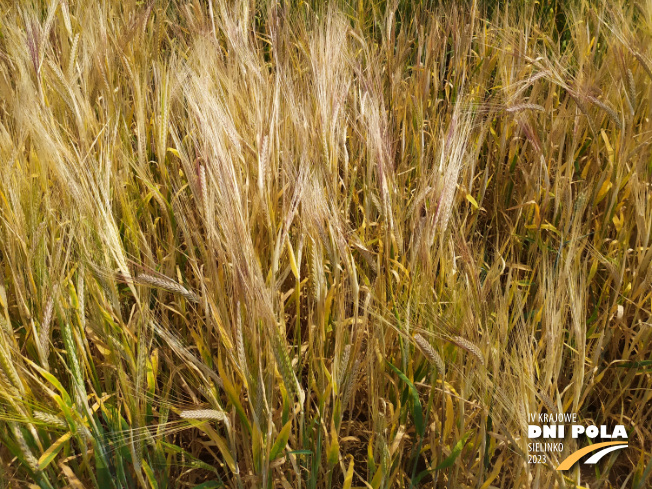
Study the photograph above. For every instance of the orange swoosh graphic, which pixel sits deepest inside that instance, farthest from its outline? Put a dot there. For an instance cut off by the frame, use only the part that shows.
(575, 456)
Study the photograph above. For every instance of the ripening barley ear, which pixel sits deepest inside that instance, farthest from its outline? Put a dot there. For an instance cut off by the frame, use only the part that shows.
(203, 414)
(290, 380)
(167, 284)
(44, 334)
(430, 353)
(26, 451)
(50, 419)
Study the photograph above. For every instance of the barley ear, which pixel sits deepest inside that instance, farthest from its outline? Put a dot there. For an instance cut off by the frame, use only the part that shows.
(430, 353)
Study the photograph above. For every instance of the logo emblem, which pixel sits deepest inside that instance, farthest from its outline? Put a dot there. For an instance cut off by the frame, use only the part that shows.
(602, 450)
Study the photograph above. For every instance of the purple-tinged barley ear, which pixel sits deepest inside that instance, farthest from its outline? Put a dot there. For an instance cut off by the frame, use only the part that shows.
(610, 112)
(550, 406)
(33, 45)
(630, 86)
(520, 107)
(469, 347)
(262, 168)
(343, 365)
(349, 389)
(203, 188)
(167, 284)
(239, 340)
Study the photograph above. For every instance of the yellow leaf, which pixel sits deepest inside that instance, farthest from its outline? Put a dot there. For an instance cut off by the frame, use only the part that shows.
(588, 51)
(450, 416)
(281, 441)
(152, 370)
(619, 221)
(378, 478)
(549, 227)
(371, 466)
(473, 202)
(333, 449)
(256, 445)
(151, 478)
(226, 453)
(233, 395)
(535, 214)
(218, 440)
(538, 315)
(293, 263)
(610, 150)
(50, 453)
(568, 404)
(593, 271)
(606, 186)
(348, 479)
(224, 336)
(494, 473)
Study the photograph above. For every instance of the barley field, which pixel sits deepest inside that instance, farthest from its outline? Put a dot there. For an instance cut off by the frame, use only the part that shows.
(348, 244)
